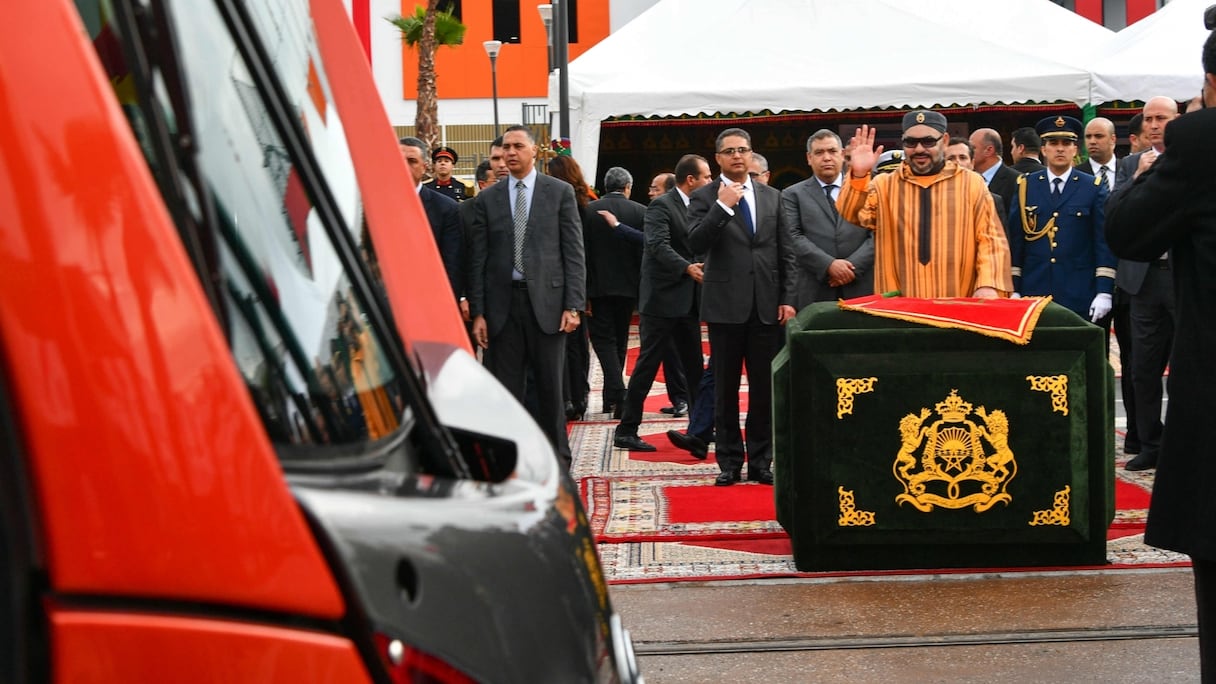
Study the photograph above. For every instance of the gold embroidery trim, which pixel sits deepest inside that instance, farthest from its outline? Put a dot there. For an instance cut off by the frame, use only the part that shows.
(846, 388)
(849, 515)
(1057, 385)
(1058, 514)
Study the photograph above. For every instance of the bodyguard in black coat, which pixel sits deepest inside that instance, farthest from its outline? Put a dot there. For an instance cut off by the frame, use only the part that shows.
(1172, 206)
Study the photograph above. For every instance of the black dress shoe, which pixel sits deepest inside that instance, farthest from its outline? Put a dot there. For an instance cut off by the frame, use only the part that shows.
(1131, 446)
(632, 443)
(689, 443)
(762, 476)
(679, 410)
(726, 479)
(1144, 461)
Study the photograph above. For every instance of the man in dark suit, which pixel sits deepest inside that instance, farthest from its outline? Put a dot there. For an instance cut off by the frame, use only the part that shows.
(1060, 249)
(1151, 292)
(1101, 163)
(748, 290)
(442, 212)
(1172, 207)
(528, 280)
(614, 268)
(1100, 151)
(1024, 150)
(986, 160)
(667, 301)
(835, 257)
(483, 176)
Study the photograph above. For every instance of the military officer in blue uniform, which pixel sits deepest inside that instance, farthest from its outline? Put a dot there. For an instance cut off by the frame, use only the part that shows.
(1056, 222)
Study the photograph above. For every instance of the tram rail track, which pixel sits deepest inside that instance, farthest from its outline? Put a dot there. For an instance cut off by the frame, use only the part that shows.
(1077, 635)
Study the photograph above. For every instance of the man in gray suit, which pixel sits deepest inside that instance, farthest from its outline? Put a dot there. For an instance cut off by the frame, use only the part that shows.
(667, 300)
(835, 257)
(527, 284)
(749, 287)
(986, 151)
(1151, 295)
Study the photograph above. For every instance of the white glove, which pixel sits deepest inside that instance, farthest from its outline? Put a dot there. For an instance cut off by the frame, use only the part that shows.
(1099, 307)
(1015, 295)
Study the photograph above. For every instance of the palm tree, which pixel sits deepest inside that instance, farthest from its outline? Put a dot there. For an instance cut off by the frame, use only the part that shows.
(427, 29)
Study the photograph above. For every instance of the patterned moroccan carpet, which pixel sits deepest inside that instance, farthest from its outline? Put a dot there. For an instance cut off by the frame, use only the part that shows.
(658, 518)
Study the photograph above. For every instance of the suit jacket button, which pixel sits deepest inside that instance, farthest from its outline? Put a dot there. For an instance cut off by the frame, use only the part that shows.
(1053, 260)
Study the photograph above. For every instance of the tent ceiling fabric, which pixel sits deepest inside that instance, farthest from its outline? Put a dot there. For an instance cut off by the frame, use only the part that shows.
(688, 57)
(1158, 55)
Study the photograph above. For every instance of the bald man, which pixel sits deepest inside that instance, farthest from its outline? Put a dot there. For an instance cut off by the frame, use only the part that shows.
(986, 155)
(1100, 146)
(1151, 291)
(661, 184)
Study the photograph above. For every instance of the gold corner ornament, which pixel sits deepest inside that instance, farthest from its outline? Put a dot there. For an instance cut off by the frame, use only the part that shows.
(1057, 385)
(962, 462)
(846, 388)
(1058, 514)
(849, 515)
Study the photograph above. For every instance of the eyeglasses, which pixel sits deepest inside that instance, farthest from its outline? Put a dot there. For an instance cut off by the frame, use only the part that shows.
(925, 142)
(732, 151)
(757, 174)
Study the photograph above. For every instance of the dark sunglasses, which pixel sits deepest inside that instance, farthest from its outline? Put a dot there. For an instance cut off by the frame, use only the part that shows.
(926, 142)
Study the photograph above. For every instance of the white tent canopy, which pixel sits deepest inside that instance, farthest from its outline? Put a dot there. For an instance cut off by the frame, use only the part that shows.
(1158, 55)
(688, 57)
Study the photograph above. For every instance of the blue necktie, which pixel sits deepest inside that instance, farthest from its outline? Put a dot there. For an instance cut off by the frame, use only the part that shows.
(1056, 183)
(747, 214)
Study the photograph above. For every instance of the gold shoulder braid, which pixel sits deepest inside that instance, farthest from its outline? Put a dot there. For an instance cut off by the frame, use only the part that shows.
(1030, 215)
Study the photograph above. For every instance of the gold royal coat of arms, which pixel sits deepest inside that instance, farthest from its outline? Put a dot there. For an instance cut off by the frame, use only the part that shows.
(960, 458)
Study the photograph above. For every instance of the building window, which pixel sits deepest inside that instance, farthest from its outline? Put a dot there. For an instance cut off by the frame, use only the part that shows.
(571, 21)
(506, 20)
(454, 7)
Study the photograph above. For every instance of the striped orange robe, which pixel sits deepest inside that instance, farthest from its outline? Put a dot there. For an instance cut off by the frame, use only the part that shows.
(966, 246)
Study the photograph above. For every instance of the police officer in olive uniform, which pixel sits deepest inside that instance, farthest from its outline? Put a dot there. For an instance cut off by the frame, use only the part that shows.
(1056, 219)
(443, 160)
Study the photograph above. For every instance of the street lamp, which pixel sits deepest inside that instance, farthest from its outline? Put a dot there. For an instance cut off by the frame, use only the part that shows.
(557, 16)
(492, 47)
(546, 16)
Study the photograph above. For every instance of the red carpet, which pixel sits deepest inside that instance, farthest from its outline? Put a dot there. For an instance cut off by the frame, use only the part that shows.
(689, 508)
(658, 518)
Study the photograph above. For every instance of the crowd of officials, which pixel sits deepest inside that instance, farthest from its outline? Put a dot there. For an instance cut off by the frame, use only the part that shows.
(545, 271)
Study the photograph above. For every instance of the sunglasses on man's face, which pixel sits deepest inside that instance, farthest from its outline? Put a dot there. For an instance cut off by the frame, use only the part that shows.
(925, 142)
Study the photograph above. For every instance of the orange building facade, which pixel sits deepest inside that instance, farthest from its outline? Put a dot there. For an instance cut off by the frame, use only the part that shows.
(463, 70)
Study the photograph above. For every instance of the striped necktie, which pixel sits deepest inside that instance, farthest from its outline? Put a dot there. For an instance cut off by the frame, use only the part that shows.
(521, 223)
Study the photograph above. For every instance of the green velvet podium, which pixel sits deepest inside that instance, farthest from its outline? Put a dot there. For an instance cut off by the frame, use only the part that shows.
(898, 445)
